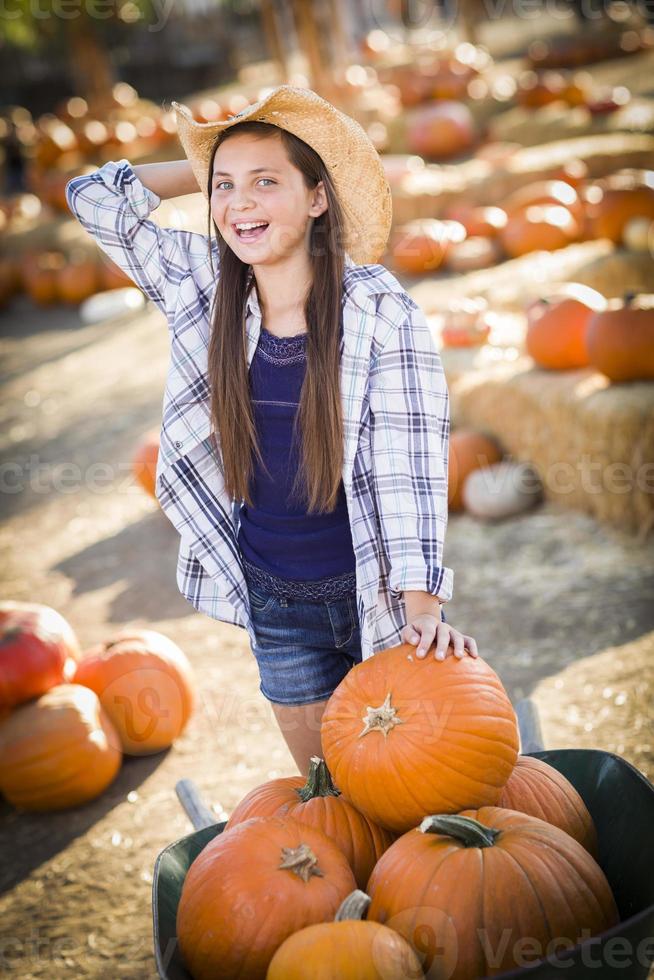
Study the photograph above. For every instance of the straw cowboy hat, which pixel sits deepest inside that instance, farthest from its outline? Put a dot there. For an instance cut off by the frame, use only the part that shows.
(343, 145)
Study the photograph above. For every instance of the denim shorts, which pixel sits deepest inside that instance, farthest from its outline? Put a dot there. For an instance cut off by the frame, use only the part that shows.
(304, 648)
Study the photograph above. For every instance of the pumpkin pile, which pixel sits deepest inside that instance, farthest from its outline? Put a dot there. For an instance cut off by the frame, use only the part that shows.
(576, 327)
(423, 801)
(543, 215)
(68, 717)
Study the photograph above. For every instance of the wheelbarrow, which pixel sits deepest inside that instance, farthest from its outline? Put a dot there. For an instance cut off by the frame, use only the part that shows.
(620, 801)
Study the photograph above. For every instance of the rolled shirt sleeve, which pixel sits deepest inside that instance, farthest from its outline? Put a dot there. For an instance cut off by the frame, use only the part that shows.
(113, 206)
(410, 426)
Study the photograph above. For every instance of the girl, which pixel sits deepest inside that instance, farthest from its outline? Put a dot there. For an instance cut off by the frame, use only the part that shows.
(304, 441)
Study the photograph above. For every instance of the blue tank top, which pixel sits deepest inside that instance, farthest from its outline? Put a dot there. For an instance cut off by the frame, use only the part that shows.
(277, 535)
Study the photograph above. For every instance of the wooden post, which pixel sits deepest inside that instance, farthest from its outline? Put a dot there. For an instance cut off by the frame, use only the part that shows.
(273, 38)
(305, 25)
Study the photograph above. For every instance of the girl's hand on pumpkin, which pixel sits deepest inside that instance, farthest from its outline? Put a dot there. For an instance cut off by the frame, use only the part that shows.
(425, 628)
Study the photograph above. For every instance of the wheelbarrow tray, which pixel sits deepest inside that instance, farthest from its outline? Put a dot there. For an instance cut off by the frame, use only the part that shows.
(620, 801)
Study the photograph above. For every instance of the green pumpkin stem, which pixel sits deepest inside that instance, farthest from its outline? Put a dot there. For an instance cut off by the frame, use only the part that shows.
(354, 906)
(319, 781)
(471, 833)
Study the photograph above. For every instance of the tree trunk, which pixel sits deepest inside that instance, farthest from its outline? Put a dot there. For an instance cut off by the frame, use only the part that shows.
(90, 65)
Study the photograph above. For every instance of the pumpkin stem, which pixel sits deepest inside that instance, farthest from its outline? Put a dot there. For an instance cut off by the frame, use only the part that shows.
(354, 906)
(319, 781)
(301, 861)
(470, 832)
(629, 297)
(380, 719)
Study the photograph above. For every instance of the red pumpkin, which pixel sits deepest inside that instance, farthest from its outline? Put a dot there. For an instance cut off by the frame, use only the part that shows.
(557, 325)
(469, 450)
(620, 339)
(58, 751)
(404, 737)
(492, 889)
(145, 684)
(250, 888)
(542, 791)
(316, 802)
(38, 649)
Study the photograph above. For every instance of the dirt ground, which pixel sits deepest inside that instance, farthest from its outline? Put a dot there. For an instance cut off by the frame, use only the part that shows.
(560, 606)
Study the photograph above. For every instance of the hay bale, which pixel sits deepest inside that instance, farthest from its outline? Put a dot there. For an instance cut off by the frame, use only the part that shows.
(558, 120)
(429, 193)
(512, 284)
(603, 702)
(591, 442)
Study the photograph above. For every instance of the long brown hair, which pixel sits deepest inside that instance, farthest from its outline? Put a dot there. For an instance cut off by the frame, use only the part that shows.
(319, 417)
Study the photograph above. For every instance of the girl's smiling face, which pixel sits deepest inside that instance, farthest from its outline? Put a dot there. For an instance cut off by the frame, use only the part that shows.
(254, 181)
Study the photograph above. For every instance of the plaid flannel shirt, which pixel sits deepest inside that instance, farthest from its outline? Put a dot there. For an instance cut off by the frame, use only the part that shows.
(395, 413)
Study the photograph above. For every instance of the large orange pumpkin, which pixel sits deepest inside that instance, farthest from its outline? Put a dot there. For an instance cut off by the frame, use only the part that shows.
(145, 684)
(38, 649)
(616, 199)
(58, 751)
(536, 788)
(250, 888)
(404, 737)
(557, 325)
(346, 949)
(551, 192)
(317, 802)
(469, 450)
(540, 227)
(621, 339)
(493, 889)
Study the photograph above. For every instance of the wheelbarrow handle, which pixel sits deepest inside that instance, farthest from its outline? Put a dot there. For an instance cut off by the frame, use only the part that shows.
(531, 736)
(198, 813)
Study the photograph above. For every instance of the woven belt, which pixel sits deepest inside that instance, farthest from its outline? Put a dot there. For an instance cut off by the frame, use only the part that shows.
(319, 590)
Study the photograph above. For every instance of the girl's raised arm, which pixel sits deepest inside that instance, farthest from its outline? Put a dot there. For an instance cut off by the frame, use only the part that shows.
(113, 205)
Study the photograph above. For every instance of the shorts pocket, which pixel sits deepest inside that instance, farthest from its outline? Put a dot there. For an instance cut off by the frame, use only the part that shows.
(260, 602)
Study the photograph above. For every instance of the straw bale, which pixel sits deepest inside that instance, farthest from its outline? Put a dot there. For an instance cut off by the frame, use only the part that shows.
(512, 284)
(603, 701)
(592, 442)
(557, 120)
(477, 181)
